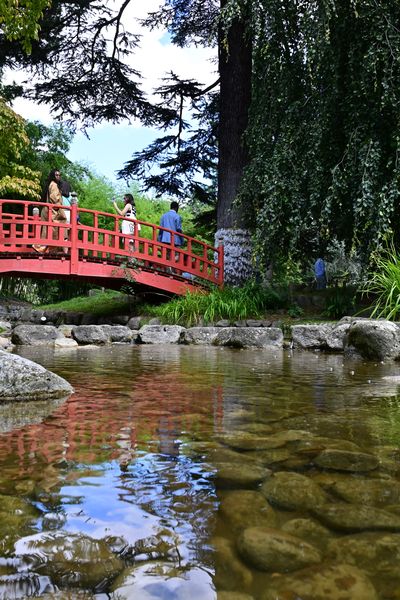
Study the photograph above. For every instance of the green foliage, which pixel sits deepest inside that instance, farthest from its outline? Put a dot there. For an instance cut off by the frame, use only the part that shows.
(342, 267)
(250, 301)
(16, 179)
(287, 271)
(48, 149)
(324, 127)
(19, 20)
(339, 302)
(295, 311)
(383, 283)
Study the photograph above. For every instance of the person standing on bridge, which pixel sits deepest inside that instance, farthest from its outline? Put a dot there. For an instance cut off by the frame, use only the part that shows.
(171, 220)
(129, 211)
(66, 189)
(52, 195)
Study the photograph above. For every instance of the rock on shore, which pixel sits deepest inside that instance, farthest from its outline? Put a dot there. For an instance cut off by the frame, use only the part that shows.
(22, 380)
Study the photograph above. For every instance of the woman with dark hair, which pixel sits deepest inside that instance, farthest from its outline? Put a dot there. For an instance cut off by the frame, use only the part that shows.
(52, 195)
(129, 211)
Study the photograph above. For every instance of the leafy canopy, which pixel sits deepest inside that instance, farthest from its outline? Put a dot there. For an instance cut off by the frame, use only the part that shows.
(16, 179)
(19, 20)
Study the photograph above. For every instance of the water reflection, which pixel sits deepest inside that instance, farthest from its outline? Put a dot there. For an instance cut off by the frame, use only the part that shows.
(129, 472)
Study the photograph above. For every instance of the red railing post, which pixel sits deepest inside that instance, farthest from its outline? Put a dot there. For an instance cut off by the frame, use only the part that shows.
(74, 236)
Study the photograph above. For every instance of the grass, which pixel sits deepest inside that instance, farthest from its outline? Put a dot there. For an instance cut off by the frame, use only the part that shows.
(232, 304)
(384, 284)
(105, 303)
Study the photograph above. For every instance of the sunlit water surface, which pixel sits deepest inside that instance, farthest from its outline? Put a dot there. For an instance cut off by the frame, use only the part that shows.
(117, 491)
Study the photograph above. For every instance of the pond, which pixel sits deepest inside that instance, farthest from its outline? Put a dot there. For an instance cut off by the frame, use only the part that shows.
(200, 473)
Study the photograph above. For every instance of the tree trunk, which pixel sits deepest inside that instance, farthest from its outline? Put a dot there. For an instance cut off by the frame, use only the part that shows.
(235, 66)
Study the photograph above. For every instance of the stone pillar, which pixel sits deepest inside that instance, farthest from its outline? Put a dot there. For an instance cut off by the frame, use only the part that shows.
(238, 258)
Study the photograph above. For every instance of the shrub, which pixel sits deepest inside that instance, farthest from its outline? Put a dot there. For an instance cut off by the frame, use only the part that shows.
(250, 301)
(384, 283)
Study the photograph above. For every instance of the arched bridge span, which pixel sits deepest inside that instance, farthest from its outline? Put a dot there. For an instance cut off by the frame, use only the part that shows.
(92, 248)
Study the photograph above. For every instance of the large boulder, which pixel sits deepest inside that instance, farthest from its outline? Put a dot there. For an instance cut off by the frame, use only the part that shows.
(35, 335)
(201, 335)
(91, 334)
(311, 336)
(374, 339)
(160, 334)
(120, 334)
(248, 337)
(336, 338)
(22, 379)
(5, 326)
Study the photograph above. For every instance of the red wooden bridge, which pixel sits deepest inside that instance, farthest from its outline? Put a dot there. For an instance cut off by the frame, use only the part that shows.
(92, 248)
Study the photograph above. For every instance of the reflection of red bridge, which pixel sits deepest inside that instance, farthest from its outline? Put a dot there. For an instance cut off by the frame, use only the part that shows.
(98, 252)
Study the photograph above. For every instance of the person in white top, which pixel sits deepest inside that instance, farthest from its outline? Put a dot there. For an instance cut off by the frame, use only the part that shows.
(129, 210)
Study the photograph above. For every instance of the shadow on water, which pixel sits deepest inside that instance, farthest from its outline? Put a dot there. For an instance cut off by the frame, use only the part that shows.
(155, 478)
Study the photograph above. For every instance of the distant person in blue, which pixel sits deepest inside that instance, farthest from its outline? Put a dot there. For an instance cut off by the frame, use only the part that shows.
(320, 273)
(171, 220)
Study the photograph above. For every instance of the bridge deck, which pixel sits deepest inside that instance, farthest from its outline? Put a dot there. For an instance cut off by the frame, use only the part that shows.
(97, 251)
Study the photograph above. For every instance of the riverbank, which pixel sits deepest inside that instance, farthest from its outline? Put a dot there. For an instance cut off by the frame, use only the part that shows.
(369, 339)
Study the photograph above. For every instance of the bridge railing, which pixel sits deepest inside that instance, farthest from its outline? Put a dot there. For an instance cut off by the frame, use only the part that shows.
(96, 236)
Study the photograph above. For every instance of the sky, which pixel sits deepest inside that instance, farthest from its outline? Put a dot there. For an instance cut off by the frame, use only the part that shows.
(108, 146)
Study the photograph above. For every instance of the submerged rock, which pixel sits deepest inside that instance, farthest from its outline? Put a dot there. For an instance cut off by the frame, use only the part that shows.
(230, 572)
(343, 460)
(273, 550)
(22, 379)
(308, 530)
(242, 441)
(350, 517)
(247, 508)
(368, 491)
(293, 491)
(322, 582)
(374, 553)
(239, 475)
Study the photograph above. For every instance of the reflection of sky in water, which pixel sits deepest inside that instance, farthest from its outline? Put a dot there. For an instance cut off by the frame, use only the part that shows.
(148, 584)
(151, 494)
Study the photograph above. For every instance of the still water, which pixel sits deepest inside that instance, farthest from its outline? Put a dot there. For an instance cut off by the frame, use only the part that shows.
(201, 473)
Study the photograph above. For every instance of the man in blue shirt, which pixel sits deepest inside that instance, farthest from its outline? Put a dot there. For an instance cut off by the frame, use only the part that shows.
(320, 273)
(171, 220)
